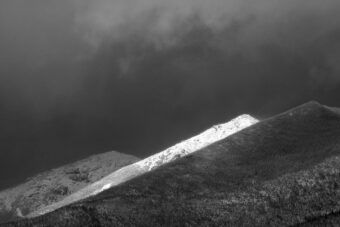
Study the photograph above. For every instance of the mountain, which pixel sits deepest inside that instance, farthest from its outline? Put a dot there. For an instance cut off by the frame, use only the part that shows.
(54, 185)
(282, 171)
(206, 138)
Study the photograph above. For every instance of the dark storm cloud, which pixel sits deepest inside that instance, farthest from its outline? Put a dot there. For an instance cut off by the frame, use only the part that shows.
(80, 77)
(39, 74)
(193, 63)
(301, 37)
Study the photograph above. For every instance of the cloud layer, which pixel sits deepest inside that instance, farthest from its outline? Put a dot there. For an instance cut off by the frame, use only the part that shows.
(85, 76)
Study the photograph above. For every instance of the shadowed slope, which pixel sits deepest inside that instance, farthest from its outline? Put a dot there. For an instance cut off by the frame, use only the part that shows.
(181, 149)
(282, 171)
(54, 185)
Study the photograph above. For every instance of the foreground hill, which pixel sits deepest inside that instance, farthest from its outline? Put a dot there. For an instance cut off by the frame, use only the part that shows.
(208, 137)
(283, 171)
(52, 186)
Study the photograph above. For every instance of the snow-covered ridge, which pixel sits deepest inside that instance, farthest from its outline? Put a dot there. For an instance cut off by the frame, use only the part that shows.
(208, 137)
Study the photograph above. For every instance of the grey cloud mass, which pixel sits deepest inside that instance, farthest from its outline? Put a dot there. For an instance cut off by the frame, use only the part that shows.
(79, 77)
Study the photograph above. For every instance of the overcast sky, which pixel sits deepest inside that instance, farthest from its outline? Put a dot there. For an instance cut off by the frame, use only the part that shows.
(79, 77)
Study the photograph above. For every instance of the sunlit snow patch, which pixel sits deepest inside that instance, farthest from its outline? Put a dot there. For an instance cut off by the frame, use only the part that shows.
(210, 136)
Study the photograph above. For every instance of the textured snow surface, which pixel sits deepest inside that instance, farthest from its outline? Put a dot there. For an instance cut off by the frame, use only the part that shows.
(210, 136)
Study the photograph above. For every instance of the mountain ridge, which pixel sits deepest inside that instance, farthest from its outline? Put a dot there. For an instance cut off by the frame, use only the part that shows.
(179, 150)
(282, 171)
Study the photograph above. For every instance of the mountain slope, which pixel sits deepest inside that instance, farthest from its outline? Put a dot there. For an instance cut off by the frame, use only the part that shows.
(283, 171)
(52, 186)
(181, 149)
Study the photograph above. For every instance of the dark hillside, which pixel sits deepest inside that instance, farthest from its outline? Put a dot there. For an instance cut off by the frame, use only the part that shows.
(282, 171)
(54, 185)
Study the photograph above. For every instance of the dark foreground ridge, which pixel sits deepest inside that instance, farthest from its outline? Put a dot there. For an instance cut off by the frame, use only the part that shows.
(283, 171)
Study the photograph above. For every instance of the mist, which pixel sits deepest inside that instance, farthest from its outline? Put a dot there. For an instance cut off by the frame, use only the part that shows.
(84, 77)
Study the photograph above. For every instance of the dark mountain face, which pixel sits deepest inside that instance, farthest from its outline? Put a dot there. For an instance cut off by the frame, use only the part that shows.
(282, 171)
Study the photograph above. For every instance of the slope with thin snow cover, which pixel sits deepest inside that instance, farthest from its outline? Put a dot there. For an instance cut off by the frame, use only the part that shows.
(181, 149)
(54, 185)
